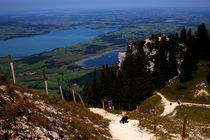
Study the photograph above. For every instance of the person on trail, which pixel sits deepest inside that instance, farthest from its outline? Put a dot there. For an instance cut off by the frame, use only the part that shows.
(178, 101)
(109, 105)
(124, 119)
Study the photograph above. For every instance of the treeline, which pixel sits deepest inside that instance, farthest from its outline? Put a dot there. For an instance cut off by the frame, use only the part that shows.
(198, 47)
(135, 80)
(130, 84)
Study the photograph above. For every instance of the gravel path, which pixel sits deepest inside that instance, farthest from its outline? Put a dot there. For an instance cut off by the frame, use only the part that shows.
(127, 131)
(170, 108)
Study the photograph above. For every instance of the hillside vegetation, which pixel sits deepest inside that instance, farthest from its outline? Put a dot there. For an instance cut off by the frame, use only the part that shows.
(29, 114)
(149, 64)
(193, 90)
(171, 125)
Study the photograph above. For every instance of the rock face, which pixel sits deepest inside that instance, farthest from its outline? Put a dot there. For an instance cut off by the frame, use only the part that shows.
(121, 57)
(150, 51)
(25, 115)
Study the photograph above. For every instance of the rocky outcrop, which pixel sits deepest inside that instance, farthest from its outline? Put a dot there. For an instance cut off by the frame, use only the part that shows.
(25, 115)
(150, 51)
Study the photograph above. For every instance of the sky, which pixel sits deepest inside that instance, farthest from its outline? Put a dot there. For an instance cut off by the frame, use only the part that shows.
(20, 5)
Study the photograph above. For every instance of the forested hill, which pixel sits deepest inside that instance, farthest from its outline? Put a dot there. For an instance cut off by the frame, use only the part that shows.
(148, 65)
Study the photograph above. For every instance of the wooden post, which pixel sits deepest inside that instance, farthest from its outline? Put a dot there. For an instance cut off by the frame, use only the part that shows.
(59, 86)
(72, 90)
(102, 101)
(80, 99)
(184, 127)
(111, 106)
(139, 115)
(45, 80)
(137, 112)
(12, 70)
(155, 120)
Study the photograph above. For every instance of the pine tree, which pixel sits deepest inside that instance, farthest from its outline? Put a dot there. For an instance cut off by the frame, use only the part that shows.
(203, 42)
(190, 59)
(103, 82)
(86, 93)
(160, 69)
(189, 36)
(95, 98)
(137, 80)
(183, 36)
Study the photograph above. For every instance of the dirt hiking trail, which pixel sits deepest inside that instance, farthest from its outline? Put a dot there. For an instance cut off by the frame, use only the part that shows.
(169, 107)
(127, 131)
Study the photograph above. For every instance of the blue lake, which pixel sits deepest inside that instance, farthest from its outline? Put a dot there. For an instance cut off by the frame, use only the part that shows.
(26, 46)
(108, 58)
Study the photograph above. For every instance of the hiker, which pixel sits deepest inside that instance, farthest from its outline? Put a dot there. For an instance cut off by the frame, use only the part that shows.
(109, 104)
(160, 99)
(149, 110)
(178, 101)
(124, 119)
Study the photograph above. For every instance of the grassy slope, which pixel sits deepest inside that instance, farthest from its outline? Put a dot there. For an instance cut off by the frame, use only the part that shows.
(73, 121)
(173, 92)
(171, 125)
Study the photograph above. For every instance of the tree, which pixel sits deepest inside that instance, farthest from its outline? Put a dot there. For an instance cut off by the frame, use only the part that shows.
(203, 42)
(160, 70)
(183, 37)
(137, 79)
(86, 93)
(95, 98)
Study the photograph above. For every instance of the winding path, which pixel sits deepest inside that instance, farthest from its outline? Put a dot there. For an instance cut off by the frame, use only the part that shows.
(170, 108)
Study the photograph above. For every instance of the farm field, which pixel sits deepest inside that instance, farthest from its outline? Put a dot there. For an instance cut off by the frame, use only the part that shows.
(130, 25)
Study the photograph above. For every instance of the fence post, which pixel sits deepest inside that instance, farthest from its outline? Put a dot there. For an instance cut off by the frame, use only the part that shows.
(59, 86)
(102, 101)
(12, 70)
(137, 112)
(80, 99)
(45, 80)
(139, 115)
(72, 90)
(155, 120)
(184, 126)
(111, 106)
